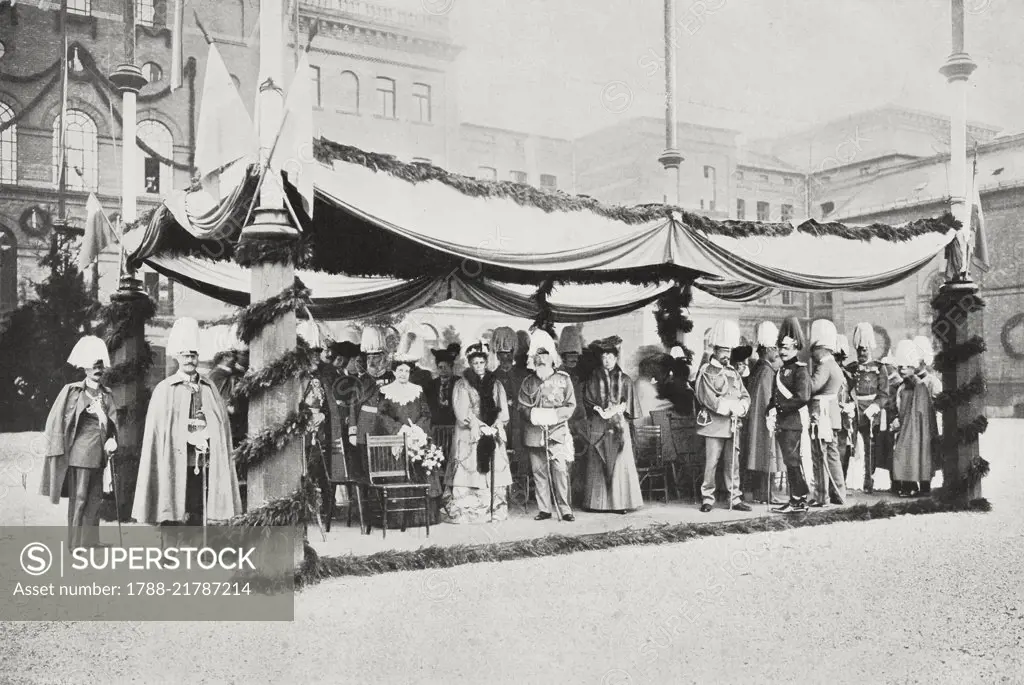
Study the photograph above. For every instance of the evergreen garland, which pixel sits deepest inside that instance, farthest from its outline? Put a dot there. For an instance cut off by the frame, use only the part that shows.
(251, 252)
(291, 510)
(971, 432)
(256, 316)
(257, 448)
(959, 396)
(950, 357)
(670, 316)
(125, 372)
(545, 319)
(289, 365)
(121, 317)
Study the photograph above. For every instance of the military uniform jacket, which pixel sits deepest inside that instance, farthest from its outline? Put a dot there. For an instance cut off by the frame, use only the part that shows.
(716, 383)
(827, 384)
(554, 393)
(369, 398)
(794, 377)
(870, 387)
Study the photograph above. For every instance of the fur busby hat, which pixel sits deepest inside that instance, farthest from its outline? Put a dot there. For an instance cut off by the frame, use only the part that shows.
(767, 334)
(725, 333)
(570, 341)
(824, 334)
(87, 351)
(373, 341)
(740, 354)
(864, 336)
(184, 337)
(504, 339)
(541, 341)
(478, 349)
(791, 331)
(448, 354)
(612, 344)
(907, 354)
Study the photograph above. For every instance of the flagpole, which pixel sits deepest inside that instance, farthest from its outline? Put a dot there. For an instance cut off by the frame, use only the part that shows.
(671, 158)
(129, 81)
(62, 158)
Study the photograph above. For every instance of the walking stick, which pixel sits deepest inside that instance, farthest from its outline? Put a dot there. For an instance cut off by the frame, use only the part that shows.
(551, 472)
(492, 488)
(734, 457)
(117, 502)
(206, 492)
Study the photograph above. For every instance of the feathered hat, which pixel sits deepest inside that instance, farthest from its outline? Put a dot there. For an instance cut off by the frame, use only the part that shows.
(345, 349)
(842, 347)
(373, 341)
(725, 333)
(87, 351)
(823, 334)
(448, 354)
(767, 334)
(504, 339)
(792, 332)
(410, 349)
(612, 344)
(924, 344)
(740, 354)
(478, 349)
(184, 337)
(907, 354)
(864, 336)
(541, 341)
(570, 341)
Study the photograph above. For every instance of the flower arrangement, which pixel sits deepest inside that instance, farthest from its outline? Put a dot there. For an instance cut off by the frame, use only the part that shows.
(421, 449)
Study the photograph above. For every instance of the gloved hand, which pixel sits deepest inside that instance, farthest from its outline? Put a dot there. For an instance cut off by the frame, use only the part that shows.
(110, 446)
(352, 436)
(771, 419)
(871, 411)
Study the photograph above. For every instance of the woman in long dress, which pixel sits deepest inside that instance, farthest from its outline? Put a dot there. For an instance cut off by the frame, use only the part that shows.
(612, 480)
(403, 405)
(479, 473)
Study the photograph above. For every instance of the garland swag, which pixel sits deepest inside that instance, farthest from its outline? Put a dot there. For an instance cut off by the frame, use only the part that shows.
(256, 316)
(289, 365)
(252, 252)
(257, 448)
(958, 396)
(327, 151)
(957, 354)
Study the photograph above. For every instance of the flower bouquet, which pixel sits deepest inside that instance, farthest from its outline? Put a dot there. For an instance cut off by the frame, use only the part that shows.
(422, 451)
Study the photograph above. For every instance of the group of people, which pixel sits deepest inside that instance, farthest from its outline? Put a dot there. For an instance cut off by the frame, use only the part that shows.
(562, 411)
(789, 408)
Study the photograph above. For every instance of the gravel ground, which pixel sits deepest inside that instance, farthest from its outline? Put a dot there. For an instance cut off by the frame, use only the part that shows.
(927, 599)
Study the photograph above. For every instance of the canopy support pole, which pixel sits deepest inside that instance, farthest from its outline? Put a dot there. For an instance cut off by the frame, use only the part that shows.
(959, 311)
(281, 473)
(671, 158)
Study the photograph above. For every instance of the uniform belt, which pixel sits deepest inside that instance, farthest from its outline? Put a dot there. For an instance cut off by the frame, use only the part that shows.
(368, 410)
(865, 398)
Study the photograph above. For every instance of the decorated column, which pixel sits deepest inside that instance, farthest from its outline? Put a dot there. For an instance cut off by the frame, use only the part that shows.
(267, 247)
(958, 309)
(671, 158)
(125, 318)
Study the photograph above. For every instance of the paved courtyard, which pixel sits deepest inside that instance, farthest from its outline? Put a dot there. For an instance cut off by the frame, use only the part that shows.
(925, 599)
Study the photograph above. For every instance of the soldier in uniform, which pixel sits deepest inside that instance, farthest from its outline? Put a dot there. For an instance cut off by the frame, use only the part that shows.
(827, 383)
(725, 400)
(570, 347)
(870, 392)
(378, 374)
(787, 414)
(504, 343)
(547, 401)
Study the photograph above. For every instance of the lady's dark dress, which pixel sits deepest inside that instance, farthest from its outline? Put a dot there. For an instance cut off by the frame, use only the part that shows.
(612, 480)
(398, 406)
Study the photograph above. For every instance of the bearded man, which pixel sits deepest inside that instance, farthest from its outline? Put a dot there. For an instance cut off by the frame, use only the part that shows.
(186, 431)
(546, 403)
(505, 343)
(827, 387)
(378, 374)
(760, 457)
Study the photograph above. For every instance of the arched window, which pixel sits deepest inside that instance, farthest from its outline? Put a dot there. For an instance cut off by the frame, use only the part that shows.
(155, 177)
(152, 72)
(348, 91)
(8, 147)
(8, 270)
(81, 149)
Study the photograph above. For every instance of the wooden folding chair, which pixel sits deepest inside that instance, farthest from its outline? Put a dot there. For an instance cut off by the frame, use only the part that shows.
(342, 474)
(650, 461)
(388, 476)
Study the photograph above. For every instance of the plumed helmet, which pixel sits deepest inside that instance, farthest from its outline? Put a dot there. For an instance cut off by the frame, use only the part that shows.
(924, 344)
(725, 333)
(791, 330)
(504, 339)
(541, 341)
(571, 340)
(842, 346)
(864, 336)
(907, 354)
(767, 334)
(478, 349)
(87, 351)
(372, 341)
(823, 334)
(184, 337)
(410, 349)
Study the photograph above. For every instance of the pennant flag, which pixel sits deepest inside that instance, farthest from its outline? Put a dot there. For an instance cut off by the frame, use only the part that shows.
(98, 233)
(978, 228)
(177, 45)
(225, 132)
(293, 150)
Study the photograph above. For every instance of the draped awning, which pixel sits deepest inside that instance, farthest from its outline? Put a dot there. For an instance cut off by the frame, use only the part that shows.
(389, 236)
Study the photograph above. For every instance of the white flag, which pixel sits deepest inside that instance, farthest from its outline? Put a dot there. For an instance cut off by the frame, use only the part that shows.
(293, 152)
(225, 132)
(98, 233)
